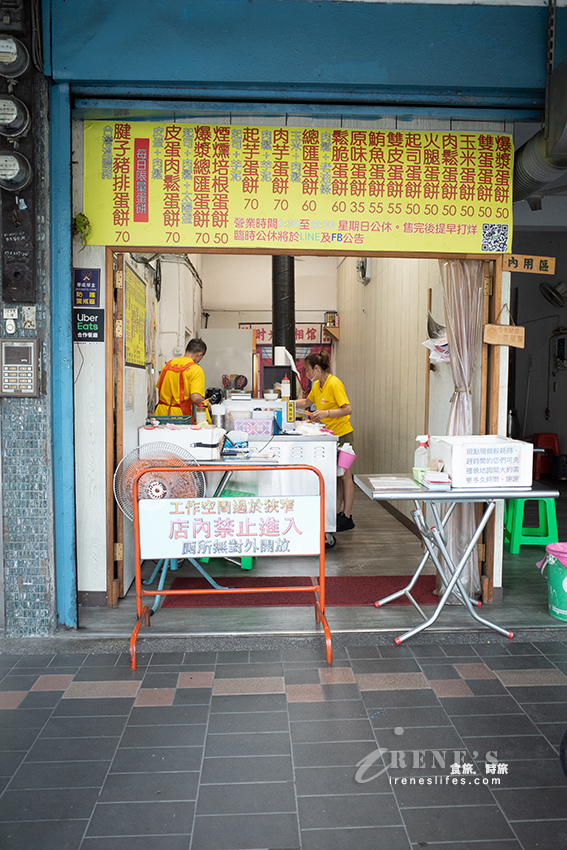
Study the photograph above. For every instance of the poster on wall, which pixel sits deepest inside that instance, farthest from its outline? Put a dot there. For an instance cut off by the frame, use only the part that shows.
(297, 189)
(134, 319)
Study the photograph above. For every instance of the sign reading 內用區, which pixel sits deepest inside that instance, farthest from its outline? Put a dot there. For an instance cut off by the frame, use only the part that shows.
(528, 263)
(322, 189)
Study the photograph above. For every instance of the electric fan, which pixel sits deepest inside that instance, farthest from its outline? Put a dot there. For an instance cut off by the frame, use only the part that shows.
(159, 485)
(156, 485)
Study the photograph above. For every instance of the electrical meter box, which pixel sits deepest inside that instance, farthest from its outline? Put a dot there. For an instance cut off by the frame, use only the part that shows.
(19, 367)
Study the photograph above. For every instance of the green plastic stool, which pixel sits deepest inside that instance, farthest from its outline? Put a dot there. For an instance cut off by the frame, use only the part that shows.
(515, 535)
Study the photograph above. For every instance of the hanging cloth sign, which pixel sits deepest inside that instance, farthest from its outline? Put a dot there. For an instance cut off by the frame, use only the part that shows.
(297, 189)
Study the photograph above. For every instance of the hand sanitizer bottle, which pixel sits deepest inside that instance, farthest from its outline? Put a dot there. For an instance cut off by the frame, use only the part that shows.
(421, 458)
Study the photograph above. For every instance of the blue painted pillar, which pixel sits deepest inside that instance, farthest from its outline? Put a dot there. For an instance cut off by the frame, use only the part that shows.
(62, 356)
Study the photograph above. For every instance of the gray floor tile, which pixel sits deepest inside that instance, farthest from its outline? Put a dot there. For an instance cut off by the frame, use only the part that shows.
(17, 739)
(331, 781)
(532, 804)
(332, 692)
(242, 832)
(547, 712)
(460, 823)
(155, 818)
(35, 660)
(332, 710)
(168, 715)
(247, 769)
(400, 699)
(519, 662)
(303, 676)
(266, 744)
(104, 659)
(245, 702)
(149, 787)
(247, 671)
(511, 747)
(160, 680)
(160, 759)
(455, 706)
(187, 735)
(486, 687)
(200, 658)
(193, 696)
(258, 656)
(65, 774)
(91, 707)
(386, 665)
(54, 804)
(438, 671)
(553, 834)
(553, 732)
(62, 749)
(357, 810)
(140, 842)
(371, 838)
(423, 738)
(258, 721)
(167, 659)
(543, 693)
(388, 718)
(81, 727)
(10, 762)
(21, 718)
(313, 731)
(250, 798)
(49, 835)
(471, 725)
(41, 699)
(331, 755)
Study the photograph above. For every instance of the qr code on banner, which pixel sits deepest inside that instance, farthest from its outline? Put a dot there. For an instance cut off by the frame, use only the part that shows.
(495, 238)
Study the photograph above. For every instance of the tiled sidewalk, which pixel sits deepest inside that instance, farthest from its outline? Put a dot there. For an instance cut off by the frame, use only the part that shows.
(258, 750)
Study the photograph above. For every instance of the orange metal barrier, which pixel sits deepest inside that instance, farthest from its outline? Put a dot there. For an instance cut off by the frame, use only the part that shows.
(318, 590)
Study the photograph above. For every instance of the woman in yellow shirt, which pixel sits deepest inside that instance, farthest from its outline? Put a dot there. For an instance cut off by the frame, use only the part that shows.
(333, 410)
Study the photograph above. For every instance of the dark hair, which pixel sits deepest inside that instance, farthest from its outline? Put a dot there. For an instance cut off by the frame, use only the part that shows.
(319, 358)
(196, 346)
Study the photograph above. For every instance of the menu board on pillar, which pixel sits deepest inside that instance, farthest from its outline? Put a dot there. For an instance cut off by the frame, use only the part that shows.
(298, 189)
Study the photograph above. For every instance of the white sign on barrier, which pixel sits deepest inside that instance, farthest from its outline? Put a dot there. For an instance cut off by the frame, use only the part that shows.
(241, 526)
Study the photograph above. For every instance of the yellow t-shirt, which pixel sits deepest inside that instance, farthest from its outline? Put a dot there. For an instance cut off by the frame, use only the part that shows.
(330, 397)
(169, 393)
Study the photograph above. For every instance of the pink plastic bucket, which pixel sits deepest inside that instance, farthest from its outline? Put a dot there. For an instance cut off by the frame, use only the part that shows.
(345, 459)
(556, 550)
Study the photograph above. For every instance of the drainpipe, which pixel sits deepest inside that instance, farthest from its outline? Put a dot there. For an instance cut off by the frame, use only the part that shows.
(543, 158)
(283, 304)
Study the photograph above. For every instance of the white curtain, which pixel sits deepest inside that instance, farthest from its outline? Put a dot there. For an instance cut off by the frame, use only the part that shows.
(463, 294)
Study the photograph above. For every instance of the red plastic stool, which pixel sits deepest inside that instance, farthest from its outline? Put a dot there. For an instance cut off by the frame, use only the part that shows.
(550, 442)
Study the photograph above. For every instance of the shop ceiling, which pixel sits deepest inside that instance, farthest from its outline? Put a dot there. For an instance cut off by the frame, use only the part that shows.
(187, 58)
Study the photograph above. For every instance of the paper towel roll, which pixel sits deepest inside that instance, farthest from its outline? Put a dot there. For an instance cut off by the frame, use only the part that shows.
(282, 357)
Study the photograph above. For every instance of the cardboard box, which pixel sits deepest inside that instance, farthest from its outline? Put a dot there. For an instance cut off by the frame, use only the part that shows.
(484, 461)
(202, 443)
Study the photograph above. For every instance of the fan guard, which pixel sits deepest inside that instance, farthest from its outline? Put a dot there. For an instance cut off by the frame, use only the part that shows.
(156, 485)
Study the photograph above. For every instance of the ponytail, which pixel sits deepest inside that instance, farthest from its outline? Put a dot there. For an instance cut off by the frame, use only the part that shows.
(319, 358)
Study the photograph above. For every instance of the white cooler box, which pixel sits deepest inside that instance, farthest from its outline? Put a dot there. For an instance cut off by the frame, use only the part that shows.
(484, 461)
(202, 443)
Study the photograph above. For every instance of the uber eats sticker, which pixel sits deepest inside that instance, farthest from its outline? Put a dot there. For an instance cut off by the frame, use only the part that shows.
(88, 325)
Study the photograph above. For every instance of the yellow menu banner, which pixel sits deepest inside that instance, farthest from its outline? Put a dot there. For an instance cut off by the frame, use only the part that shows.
(297, 189)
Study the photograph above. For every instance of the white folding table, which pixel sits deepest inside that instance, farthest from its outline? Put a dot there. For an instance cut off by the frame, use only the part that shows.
(435, 540)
